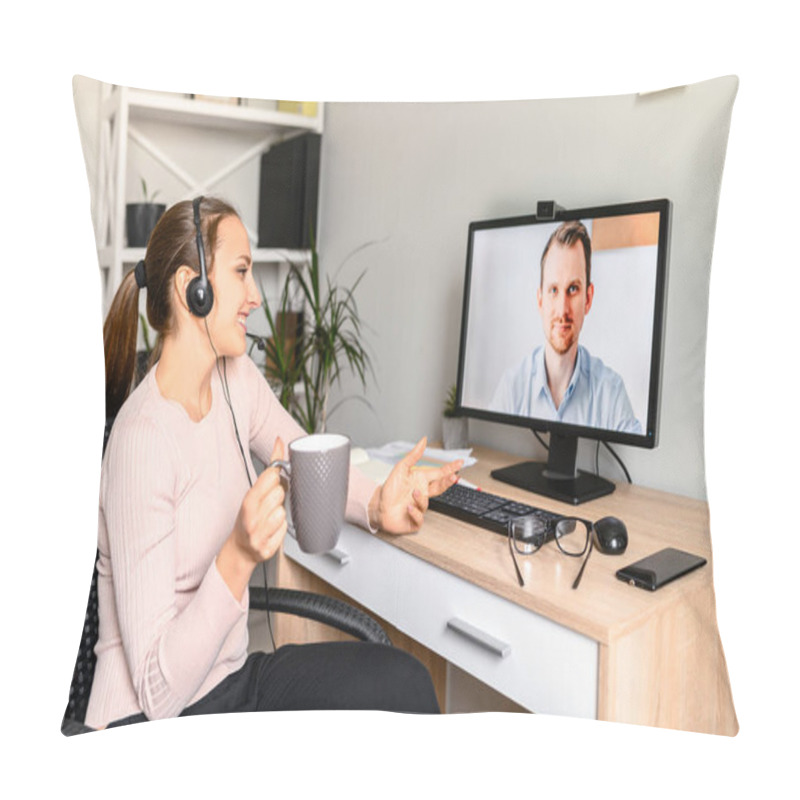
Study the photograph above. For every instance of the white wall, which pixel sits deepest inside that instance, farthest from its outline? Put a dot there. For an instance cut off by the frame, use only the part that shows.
(412, 176)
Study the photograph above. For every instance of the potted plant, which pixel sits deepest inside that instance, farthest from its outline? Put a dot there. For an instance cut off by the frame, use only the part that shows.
(282, 349)
(141, 218)
(455, 433)
(309, 350)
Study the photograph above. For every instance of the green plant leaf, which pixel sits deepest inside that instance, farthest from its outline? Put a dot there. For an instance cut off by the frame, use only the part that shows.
(331, 342)
(451, 402)
(147, 198)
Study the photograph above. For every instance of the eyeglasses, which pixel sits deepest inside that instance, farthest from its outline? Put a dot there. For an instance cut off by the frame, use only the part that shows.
(573, 536)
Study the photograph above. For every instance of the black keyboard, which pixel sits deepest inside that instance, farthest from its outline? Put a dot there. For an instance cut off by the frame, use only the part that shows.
(486, 510)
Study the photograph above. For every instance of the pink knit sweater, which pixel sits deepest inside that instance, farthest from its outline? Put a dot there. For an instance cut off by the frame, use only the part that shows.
(170, 490)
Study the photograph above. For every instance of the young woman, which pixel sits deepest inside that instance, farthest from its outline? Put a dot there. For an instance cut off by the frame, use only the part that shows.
(183, 519)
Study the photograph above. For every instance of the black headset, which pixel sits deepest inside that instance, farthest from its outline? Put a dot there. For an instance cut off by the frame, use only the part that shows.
(199, 295)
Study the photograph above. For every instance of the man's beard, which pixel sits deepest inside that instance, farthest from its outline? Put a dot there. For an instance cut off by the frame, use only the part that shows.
(562, 343)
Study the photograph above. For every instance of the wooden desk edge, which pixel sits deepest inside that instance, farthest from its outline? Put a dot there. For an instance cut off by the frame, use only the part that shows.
(660, 664)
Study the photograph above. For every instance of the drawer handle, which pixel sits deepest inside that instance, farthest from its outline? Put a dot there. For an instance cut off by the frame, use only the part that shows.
(485, 640)
(339, 556)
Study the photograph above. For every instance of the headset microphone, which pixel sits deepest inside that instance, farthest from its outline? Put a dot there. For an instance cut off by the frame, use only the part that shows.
(260, 341)
(199, 295)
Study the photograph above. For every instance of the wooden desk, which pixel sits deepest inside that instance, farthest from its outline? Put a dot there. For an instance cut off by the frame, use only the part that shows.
(606, 650)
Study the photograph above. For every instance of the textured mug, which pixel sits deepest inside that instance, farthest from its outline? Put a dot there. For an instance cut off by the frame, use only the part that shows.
(318, 471)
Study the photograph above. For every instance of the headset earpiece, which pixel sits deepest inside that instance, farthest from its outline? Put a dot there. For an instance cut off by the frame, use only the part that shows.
(199, 295)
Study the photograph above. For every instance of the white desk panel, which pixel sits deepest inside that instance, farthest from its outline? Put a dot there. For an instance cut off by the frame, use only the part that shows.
(539, 664)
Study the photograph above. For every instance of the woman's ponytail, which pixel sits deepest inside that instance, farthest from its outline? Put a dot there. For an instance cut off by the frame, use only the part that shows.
(119, 343)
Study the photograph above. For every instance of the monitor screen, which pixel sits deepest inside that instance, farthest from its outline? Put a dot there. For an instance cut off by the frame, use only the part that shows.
(562, 323)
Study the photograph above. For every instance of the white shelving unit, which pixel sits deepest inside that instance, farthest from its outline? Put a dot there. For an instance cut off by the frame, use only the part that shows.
(122, 109)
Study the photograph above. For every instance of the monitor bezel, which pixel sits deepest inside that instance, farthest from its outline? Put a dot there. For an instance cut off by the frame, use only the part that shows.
(648, 439)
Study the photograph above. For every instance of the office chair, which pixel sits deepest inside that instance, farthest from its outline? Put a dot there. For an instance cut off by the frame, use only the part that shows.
(320, 608)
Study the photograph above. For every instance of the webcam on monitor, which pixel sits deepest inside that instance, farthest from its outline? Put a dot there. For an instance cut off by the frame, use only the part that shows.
(547, 209)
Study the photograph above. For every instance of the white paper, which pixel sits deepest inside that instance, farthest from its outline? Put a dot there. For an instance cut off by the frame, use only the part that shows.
(392, 453)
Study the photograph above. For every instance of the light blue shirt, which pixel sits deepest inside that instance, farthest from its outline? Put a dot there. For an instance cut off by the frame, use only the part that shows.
(595, 397)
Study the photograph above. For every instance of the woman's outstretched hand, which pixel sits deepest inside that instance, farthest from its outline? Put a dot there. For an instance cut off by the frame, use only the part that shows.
(398, 506)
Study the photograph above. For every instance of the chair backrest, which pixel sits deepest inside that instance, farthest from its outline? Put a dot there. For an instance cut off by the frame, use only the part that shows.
(83, 674)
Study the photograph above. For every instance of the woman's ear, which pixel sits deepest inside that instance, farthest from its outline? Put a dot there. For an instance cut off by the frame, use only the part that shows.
(181, 280)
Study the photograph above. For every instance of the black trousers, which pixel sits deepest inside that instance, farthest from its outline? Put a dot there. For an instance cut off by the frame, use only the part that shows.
(316, 677)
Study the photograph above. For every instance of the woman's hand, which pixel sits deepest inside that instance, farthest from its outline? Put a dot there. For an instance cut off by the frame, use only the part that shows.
(400, 504)
(261, 523)
(259, 529)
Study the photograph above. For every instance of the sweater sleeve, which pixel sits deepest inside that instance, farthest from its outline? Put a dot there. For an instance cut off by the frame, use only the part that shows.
(170, 645)
(269, 419)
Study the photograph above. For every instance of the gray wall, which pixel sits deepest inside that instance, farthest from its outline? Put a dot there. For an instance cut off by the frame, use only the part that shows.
(411, 176)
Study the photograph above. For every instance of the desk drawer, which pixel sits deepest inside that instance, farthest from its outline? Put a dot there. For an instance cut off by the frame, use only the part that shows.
(362, 567)
(543, 666)
(539, 664)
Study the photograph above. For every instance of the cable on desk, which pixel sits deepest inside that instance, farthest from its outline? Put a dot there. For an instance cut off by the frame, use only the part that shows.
(619, 460)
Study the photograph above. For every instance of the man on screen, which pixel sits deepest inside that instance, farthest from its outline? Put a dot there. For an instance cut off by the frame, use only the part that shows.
(560, 380)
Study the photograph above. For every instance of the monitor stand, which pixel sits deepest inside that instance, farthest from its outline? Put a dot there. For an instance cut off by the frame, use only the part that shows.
(558, 478)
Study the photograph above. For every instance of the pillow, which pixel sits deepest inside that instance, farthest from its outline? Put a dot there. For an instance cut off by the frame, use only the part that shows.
(409, 177)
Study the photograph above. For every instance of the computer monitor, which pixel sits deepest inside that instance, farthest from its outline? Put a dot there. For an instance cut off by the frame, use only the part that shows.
(546, 346)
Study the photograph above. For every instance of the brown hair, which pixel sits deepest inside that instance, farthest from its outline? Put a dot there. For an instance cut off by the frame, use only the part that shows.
(567, 234)
(172, 244)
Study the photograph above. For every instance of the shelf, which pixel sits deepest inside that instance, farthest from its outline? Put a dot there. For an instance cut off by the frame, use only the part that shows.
(261, 255)
(272, 255)
(120, 111)
(208, 114)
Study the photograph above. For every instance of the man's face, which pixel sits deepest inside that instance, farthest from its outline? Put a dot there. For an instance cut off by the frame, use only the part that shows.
(564, 297)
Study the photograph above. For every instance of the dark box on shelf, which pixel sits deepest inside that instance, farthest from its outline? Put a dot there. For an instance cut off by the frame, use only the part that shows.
(289, 192)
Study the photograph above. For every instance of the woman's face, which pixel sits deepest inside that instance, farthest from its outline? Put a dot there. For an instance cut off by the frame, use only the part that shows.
(235, 292)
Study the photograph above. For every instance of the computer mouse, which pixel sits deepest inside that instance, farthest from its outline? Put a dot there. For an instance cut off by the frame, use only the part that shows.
(612, 535)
